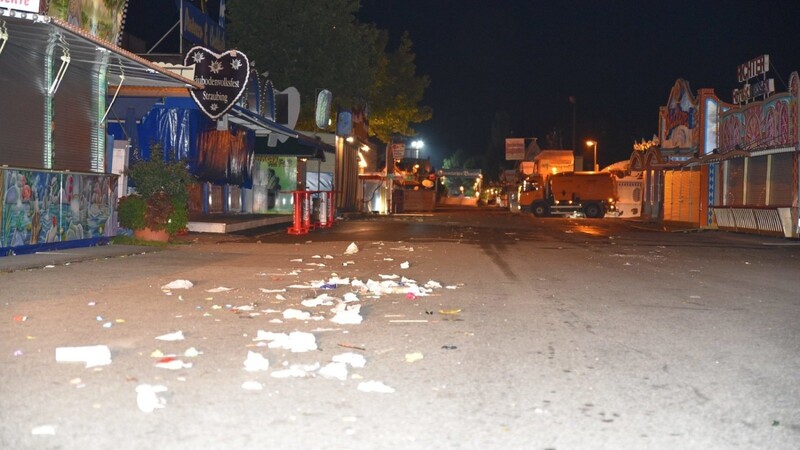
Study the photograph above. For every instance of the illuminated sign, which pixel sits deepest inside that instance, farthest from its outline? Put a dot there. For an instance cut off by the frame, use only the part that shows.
(515, 149)
(398, 150)
(21, 5)
(223, 75)
(751, 91)
(753, 68)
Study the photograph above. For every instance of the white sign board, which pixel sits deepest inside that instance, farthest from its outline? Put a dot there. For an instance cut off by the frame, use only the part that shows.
(21, 5)
(515, 149)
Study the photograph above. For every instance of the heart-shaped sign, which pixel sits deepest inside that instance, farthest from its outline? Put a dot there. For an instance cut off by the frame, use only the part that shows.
(224, 77)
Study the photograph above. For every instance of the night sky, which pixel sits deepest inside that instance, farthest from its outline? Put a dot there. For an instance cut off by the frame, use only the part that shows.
(618, 58)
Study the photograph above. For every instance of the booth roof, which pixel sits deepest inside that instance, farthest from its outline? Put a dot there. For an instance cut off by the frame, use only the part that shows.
(301, 147)
(35, 33)
(263, 126)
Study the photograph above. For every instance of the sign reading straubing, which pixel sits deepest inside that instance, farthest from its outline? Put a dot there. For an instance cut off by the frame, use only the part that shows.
(223, 75)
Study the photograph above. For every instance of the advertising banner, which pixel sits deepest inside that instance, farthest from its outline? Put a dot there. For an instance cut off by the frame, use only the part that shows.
(398, 150)
(199, 29)
(515, 149)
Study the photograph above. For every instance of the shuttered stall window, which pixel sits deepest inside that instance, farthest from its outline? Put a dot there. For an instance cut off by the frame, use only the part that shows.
(74, 118)
(757, 181)
(734, 182)
(22, 99)
(781, 184)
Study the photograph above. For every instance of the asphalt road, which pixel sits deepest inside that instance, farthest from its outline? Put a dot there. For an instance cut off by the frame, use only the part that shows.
(545, 334)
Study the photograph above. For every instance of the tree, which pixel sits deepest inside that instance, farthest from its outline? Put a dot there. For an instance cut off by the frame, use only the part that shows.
(397, 91)
(315, 45)
(308, 45)
(494, 158)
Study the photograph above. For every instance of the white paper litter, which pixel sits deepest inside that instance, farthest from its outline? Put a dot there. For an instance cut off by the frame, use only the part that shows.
(191, 352)
(320, 300)
(389, 277)
(353, 359)
(279, 297)
(296, 260)
(295, 371)
(91, 355)
(178, 284)
(350, 297)
(337, 280)
(351, 249)
(433, 285)
(147, 397)
(292, 313)
(296, 341)
(175, 364)
(44, 430)
(176, 336)
(347, 314)
(255, 362)
(374, 386)
(219, 289)
(252, 386)
(405, 265)
(271, 291)
(336, 370)
(414, 357)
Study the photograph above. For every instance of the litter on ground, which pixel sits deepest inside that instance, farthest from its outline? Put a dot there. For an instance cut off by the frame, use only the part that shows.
(91, 355)
(255, 362)
(147, 397)
(176, 336)
(351, 249)
(178, 284)
(375, 386)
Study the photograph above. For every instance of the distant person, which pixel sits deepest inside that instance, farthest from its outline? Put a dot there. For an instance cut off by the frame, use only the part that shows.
(273, 187)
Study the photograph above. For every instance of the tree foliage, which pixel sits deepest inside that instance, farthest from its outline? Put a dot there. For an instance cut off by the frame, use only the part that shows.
(314, 45)
(397, 91)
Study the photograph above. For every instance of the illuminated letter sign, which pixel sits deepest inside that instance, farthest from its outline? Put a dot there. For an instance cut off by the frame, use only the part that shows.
(223, 75)
(753, 68)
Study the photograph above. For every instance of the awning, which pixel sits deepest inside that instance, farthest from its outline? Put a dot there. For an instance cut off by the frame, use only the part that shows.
(263, 126)
(302, 147)
(36, 33)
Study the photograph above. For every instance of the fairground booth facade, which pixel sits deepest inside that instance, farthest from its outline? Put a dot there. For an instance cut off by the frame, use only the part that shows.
(732, 166)
(57, 67)
(80, 109)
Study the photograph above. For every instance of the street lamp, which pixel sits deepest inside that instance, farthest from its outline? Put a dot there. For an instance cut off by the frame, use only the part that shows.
(593, 144)
(417, 144)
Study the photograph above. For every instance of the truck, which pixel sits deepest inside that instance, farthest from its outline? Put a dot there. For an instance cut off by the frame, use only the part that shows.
(590, 193)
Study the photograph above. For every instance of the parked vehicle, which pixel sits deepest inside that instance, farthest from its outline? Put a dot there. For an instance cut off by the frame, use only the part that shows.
(590, 193)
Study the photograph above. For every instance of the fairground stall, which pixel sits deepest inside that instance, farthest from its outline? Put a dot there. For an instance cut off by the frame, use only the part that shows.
(757, 156)
(59, 69)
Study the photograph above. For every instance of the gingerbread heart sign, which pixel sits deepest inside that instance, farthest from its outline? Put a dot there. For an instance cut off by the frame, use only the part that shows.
(223, 75)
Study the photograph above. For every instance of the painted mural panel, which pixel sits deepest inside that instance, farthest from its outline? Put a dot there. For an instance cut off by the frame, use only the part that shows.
(760, 125)
(42, 207)
(101, 18)
(679, 127)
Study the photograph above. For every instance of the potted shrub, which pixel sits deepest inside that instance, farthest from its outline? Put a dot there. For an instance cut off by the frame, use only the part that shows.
(159, 208)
